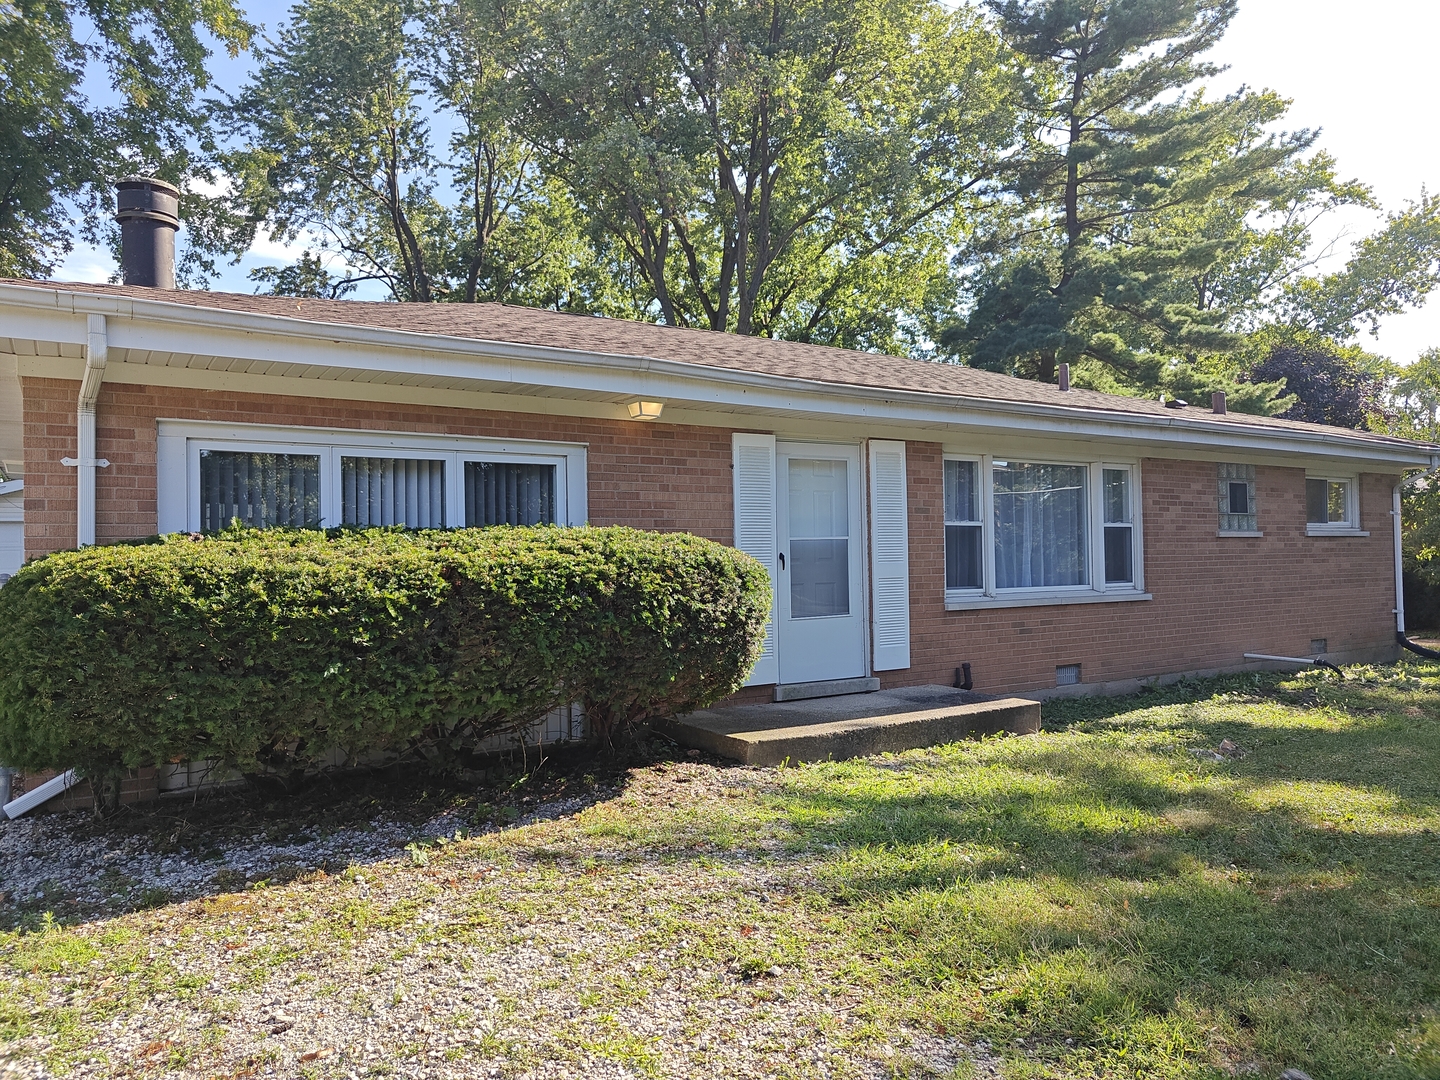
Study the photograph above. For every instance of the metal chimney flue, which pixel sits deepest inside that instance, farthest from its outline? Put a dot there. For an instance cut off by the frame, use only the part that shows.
(149, 214)
(1064, 377)
(1217, 401)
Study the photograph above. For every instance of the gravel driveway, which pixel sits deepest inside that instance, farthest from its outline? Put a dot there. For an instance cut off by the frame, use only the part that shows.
(638, 931)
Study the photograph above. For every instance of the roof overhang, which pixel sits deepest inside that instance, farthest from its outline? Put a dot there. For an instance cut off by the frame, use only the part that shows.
(155, 333)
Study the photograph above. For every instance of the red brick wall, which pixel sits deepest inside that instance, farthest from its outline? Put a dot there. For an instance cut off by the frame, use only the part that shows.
(651, 476)
(1215, 598)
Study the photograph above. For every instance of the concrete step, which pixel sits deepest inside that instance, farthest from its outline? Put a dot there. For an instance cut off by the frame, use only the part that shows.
(854, 725)
(803, 691)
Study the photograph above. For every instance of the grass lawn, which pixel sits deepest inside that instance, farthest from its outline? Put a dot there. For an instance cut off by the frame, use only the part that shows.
(1091, 902)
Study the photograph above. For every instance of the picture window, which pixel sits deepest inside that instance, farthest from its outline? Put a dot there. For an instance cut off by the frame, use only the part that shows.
(1018, 532)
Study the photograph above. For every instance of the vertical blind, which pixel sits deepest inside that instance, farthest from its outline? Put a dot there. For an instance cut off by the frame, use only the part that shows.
(392, 491)
(1039, 525)
(498, 493)
(259, 490)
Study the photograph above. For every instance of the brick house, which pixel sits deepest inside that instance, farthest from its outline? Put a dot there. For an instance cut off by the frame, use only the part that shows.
(914, 516)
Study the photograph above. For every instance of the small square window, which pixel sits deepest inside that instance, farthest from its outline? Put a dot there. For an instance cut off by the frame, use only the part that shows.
(1237, 498)
(1327, 502)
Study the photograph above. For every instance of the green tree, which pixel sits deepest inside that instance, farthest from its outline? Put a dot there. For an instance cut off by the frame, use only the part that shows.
(1390, 271)
(1119, 143)
(60, 153)
(793, 168)
(337, 133)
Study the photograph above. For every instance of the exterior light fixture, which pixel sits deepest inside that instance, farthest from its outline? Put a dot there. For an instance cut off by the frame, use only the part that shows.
(645, 410)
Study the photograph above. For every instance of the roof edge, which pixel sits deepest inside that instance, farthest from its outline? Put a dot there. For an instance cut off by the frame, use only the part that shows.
(76, 301)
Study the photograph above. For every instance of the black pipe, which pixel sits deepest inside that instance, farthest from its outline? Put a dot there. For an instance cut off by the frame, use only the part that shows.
(149, 214)
(1419, 650)
(962, 678)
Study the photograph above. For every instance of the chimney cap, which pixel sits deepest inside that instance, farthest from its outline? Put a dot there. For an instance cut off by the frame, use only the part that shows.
(149, 198)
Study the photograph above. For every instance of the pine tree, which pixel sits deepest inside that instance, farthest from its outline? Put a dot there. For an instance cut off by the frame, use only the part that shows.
(1118, 139)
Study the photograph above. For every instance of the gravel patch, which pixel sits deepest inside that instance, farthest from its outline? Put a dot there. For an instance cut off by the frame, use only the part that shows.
(573, 943)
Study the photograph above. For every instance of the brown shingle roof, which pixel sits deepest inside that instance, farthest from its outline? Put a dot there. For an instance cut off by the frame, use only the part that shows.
(706, 348)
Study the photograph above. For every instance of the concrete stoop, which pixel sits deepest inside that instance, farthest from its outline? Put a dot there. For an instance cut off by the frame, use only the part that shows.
(855, 725)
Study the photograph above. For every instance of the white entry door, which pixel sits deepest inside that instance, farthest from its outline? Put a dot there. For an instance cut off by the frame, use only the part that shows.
(821, 609)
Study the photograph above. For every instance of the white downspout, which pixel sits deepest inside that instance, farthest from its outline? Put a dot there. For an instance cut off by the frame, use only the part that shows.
(85, 462)
(1399, 563)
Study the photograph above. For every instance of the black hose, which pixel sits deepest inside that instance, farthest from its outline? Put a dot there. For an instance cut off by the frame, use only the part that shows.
(1420, 650)
(1332, 667)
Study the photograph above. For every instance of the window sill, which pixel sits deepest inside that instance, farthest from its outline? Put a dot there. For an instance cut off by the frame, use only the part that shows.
(960, 602)
(1311, 530)
(1238, 532)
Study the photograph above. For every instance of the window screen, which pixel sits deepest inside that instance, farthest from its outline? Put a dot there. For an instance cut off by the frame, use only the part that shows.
(962, 525)
(259, 490)
(501, 493)
(1237, 498)
(392, 491)
(1039, 525)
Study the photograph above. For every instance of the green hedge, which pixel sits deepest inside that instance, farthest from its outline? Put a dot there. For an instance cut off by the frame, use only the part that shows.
(266, 649)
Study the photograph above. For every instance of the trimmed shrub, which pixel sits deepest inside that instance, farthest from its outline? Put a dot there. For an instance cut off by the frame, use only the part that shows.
(269, 649)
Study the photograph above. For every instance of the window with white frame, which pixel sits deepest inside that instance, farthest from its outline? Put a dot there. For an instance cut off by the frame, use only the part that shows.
(1039, 525)
(1119, 521)
(1021, 531)
(964, 530)
(1331, 504)
(212, 475)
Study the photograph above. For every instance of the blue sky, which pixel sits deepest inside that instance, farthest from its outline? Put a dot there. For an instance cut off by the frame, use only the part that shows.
(1358, 71)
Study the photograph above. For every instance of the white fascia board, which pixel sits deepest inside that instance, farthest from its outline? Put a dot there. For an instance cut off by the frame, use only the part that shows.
(159, 326)
(10, 487)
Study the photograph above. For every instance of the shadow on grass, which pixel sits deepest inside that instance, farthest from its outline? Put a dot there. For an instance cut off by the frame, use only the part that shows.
(1103, 886)
(237, 839)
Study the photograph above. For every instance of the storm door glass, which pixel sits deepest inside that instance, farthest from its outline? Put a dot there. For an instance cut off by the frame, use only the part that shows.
(819, 538)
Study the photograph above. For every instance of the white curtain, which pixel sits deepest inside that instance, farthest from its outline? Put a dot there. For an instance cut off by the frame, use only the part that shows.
(1039, 525)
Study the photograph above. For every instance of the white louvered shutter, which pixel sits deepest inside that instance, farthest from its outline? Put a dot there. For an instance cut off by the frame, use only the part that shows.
(753, 458)
(890, 556)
